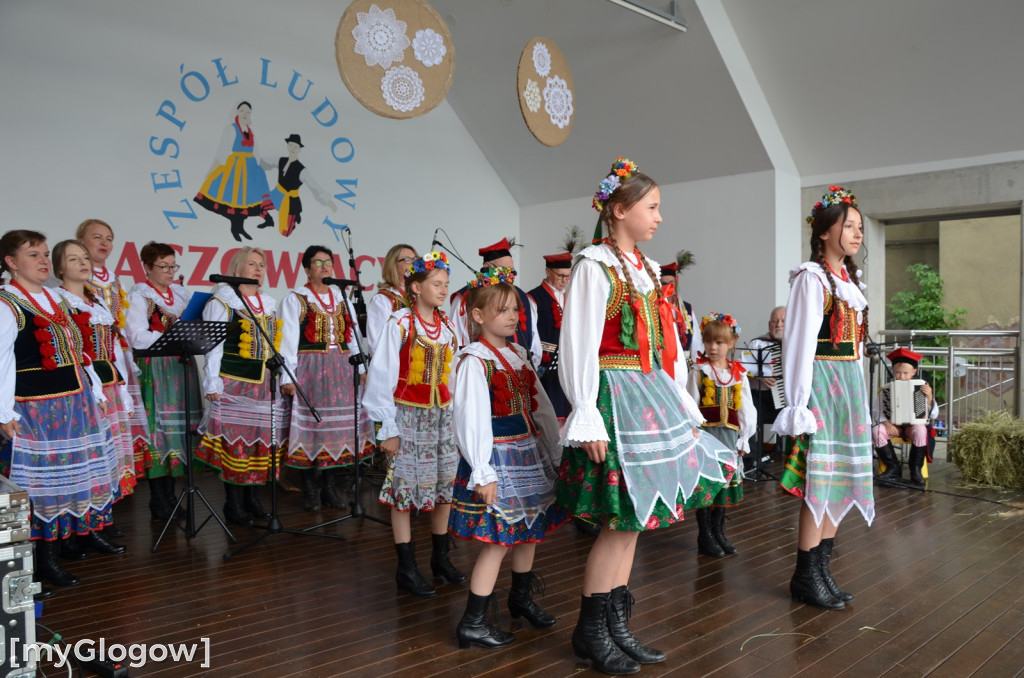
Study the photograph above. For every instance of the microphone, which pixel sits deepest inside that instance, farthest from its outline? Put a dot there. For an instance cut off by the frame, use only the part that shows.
(340, 282)
(435, 243)
(233, 280)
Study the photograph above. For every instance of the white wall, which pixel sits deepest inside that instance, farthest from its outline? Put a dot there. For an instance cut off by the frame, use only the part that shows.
(83, 83)
(728, 223)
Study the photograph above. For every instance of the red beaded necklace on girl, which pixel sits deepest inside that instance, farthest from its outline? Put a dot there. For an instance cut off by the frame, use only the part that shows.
(714, 371)
(842, 274)
(56, 316)
(432, 330)
(167, 298)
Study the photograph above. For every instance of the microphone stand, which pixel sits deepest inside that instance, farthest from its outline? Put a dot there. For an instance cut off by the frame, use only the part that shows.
(758, 470)
(362, 358)
(449, 248)
(274, 363)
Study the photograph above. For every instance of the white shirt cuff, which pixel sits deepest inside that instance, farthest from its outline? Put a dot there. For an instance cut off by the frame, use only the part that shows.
(584, 425)
(794, 421)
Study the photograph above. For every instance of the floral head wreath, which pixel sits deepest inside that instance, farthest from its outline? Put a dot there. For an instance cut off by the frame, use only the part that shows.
(622, 170)
(494, 276)
(725, 318)
(429, 262)
(836, 195)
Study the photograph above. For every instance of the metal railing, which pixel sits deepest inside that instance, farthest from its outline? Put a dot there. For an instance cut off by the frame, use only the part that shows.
(972, 371)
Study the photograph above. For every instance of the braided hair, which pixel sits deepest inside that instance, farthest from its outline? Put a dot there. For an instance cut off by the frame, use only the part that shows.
(629, 193)
(823, 220)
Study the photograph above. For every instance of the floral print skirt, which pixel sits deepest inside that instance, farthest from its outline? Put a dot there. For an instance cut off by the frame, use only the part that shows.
(831, 469)
(421, 475)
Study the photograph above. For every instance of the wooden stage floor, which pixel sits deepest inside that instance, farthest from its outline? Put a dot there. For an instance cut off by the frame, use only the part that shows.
(939, 581)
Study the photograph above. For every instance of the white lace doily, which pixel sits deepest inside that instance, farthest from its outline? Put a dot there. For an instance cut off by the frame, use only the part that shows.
(541, 59)
(402, 88)
(531, 95)
(428, 47)
(558, 101)
(380, 37)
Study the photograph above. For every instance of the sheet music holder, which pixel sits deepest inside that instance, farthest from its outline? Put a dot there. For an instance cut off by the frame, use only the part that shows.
(186, 339)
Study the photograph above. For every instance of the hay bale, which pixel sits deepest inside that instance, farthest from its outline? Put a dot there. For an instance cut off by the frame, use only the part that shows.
(990, 450)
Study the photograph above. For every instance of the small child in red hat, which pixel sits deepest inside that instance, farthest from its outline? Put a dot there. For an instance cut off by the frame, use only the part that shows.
(904, 367)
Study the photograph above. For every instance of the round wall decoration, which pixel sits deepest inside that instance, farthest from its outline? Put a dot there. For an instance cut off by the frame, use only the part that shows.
(395, 56)
(545, 89)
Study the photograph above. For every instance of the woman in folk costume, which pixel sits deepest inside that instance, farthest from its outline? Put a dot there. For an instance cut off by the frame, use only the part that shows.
(826, 413)
(390, 296)
(317, 341)
(153, 306)
(236, 186)
(407, 395)
(98, 238)
(508, 436)
(634, 459)
(71, 265)
(236, 427)
(720, 386)
(52, 406)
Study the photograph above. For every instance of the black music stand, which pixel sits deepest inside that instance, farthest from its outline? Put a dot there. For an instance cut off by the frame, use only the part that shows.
(186, 339)
(759, 473)
(362, 358)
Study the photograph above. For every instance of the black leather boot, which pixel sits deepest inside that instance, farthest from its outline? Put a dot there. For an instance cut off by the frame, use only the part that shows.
(475, 629)
(521, 603)
(251, 502)
(234, 511)
(718, 529)
(159, 507)
(807, 584)
(70, 549)
(916, 462)
(620, 606)
(112, 531)
(706, 542)
(824, 558)
(586, 527)
(329, 491)
(408, 576)
(439, 563)
(97, 542)
(893, 467)
(310, 493)
(591, 639)
(48, 567)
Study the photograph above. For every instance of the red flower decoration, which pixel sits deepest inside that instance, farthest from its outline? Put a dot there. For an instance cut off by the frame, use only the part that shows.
(522, 319)
(156, 324)
(310, 331)
(653, 522)
(429, 265)
(42, 336)
(47, 350)
(49, 364)
(40, 321)
(613, 478)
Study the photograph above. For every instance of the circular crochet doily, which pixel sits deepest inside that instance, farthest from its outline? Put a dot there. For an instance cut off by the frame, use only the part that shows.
(545, 91)
(396, 57)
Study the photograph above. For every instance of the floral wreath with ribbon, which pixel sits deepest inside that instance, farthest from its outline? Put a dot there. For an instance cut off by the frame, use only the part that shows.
(723, 318)
(428, 262)
(837, 195)
(623, 169)
(494, 276)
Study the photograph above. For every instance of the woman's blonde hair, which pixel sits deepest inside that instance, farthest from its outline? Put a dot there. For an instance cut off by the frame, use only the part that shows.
(391, 277)
(84, 226)
(238, 260)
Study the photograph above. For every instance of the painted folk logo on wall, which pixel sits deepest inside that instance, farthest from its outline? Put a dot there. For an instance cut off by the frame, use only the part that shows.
(257, 183)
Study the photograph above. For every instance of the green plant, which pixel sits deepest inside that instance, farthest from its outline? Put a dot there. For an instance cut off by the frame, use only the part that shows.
(922, 309)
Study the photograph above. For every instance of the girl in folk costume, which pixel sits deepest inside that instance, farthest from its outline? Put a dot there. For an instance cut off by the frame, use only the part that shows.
(98, 238)
(390, 296)
(407, 395)
(633, 460)
(721, 389)
(317, 340)
(71, 265)
(62, 454)
(508, 435)
(236, 427)
(153, 306)
(826, 413)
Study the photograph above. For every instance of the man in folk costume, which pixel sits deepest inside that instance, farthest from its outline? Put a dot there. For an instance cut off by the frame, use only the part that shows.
(685, 323)
(549, 298)
(291, 174)
(904, 367)
(499, 255)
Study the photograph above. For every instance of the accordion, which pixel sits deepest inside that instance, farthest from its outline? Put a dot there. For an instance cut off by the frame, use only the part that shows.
(903, 402)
